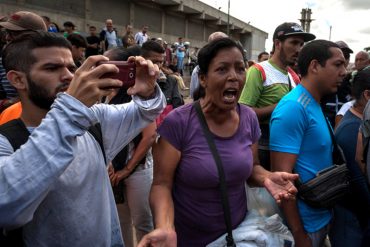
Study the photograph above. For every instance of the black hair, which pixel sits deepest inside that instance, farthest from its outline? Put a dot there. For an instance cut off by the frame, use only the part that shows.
(206, 55)
(17, 55)
(261, 54)
(122, 54)
(46, 18)
(361, 82)
(151, 46)
(210, 50)
(315, 50)
(77, 40)
(92, 27)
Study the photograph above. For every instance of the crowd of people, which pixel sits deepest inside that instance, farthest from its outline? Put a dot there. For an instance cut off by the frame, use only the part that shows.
(88, 161)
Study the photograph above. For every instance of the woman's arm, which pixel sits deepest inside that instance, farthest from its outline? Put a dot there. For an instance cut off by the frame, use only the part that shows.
(279, 184)
(166, 158)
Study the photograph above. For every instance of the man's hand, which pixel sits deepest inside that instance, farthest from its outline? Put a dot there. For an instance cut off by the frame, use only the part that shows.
(280, 185)
(87, 86)
(159, 238)
(146, 76)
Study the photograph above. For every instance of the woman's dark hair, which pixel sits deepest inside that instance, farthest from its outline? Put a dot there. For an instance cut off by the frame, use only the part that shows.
(361, 82)
(315, 50)
(206, 55)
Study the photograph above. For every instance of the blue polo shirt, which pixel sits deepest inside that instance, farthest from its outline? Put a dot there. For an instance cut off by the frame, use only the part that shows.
(298, 126)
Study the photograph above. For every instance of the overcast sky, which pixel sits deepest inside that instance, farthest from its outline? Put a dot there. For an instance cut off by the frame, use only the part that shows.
(350, 19)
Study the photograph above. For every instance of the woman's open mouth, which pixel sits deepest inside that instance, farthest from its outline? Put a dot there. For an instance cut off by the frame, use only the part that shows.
(230, 95)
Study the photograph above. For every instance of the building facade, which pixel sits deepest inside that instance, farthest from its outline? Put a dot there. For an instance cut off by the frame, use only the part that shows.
(169, 19)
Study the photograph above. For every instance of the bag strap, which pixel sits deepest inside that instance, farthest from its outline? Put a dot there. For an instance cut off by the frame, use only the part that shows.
(96, 132)
(337, 154)
(223, 188)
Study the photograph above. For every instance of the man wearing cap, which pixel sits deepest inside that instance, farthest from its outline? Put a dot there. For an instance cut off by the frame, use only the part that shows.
(267, 82)
(331, 104)
(17, 24)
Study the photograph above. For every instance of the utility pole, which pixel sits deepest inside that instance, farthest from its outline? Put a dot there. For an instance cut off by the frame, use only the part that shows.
(306, 19)
(330, 32)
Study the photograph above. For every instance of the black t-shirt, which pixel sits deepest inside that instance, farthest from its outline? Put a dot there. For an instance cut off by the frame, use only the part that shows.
(92, 51)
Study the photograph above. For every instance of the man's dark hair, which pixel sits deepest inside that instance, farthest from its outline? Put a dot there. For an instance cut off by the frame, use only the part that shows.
(315, 50)
(46, 18)
(92, 27)
(210, 50)
(261, 54)
(122, 54)
(151, 46)
(17, 55)
(77, 40)
(361, 82)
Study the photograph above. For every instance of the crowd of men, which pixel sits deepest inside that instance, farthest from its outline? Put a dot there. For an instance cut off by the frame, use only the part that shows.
(54, 184)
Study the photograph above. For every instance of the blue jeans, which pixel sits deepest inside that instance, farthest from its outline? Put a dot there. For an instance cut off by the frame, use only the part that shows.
(345, 230)
(318, 237)
(180, 64)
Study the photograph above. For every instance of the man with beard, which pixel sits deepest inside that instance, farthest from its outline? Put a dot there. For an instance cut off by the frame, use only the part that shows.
(300, 138)
(267, 82)
(56, 185)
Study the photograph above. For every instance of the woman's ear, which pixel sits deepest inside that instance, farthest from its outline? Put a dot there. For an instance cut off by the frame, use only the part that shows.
(202, 81)
(17, 79)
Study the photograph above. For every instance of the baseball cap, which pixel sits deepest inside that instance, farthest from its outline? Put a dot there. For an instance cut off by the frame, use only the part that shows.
(288, 29)
(343, 46)
(24, 20)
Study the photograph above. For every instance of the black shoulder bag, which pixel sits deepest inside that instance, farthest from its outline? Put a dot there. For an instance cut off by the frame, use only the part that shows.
(225, 202)
(330, 184)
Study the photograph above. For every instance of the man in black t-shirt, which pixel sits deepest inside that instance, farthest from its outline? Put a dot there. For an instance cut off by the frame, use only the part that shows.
(93, 42)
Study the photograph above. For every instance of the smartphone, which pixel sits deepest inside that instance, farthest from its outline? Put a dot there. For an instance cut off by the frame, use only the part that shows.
(126, 74)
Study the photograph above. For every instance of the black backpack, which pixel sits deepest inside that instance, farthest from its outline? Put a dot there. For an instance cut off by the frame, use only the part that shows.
(17, 134)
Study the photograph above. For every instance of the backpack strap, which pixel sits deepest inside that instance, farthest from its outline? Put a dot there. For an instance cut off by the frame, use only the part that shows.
(260, 69)
(16, 133)
(294, 75)
(96, 132)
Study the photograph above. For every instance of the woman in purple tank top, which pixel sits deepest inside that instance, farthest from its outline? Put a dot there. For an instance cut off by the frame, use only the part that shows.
(185, 196)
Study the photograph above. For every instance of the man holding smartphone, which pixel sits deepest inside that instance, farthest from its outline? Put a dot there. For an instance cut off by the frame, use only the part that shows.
(63, 193)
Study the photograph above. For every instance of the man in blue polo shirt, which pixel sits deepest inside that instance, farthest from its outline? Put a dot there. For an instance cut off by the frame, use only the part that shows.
(300, 140)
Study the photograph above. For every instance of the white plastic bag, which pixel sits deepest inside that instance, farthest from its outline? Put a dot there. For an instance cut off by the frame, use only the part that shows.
(260, 200)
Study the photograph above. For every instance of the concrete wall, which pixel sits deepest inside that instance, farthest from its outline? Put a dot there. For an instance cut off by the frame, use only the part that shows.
(168, 19)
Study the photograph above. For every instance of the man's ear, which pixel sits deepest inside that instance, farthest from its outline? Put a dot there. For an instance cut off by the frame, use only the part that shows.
(17, 79)
(314, 66)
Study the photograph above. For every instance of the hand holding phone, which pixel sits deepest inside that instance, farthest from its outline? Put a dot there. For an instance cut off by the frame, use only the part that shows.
(126, 74)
